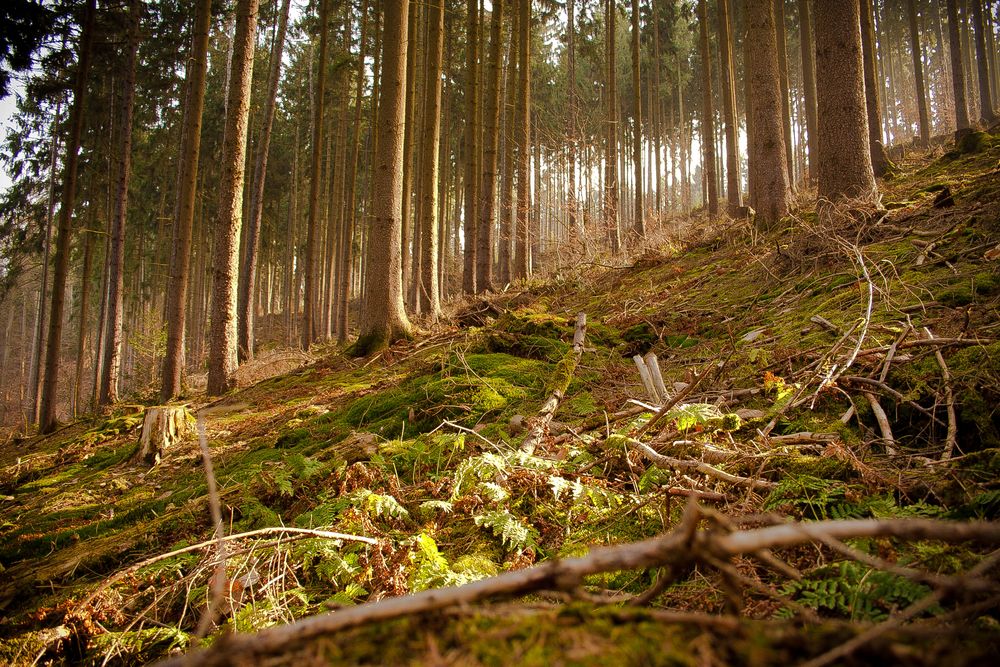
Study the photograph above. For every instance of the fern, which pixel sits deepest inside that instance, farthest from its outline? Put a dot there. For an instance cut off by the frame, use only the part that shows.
(322, 560)
(815, 498)
(379, 504)
(851, 590)
(429, 507)
(485, 467)
(494, 491)
(431, 569)
(510, 529)
(348, 596)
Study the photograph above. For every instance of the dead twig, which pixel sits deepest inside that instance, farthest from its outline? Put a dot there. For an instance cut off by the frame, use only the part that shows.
(662, 461)
(951, 440)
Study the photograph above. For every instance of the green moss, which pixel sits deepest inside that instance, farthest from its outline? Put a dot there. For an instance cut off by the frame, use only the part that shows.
(823, 467)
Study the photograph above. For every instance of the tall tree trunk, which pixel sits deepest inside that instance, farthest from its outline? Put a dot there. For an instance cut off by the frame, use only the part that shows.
(429, 240)
(472, 170)
(986, 111)
(879, 158)
(180, 258)
(222, 358)
(50, 381)
(735, 199)
(523, 131)
(656, 110)
(383, 316)
(918, 74)
(638, 225)
(491, 139)
(248, 272)
(81, 340)
(770, 195)
(611, 158)
(707, 115)
(809, 82)
(786, 115)
(957, 67)
(504, 257)
(575, 220)
(116, 250)
(409, 144)
(346, 260)
(845, 168)
(310, 269)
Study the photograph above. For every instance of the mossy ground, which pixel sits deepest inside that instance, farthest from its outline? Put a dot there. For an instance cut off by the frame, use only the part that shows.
(418, 448)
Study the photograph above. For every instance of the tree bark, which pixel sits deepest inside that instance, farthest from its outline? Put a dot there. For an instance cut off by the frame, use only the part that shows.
(707, 115)
(222, 358)
(986, 111)
(918, 74)
(248, 273)
(383, 316)
(786, 115)
(733, 196)
(523, 130)
(770, 194)
(429, 237)
(879, 158)
(611, 158)
(957, 68)
(491, 141)
(50, 381)
(472, 170)
(809, 82)
(845, 167)
(638, 224)
(180, 258)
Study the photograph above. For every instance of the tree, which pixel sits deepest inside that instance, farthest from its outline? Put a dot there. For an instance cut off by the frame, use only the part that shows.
(248, 270)
(180, 258)
(880, 160)
(733, 195)
(918, 73)
(809, 81)
(957, 68)
(310, 302)
(707, 114)
(472, 170)
(491, 144)
(786, 114)
(844, 165)
(108, 392)
(429, 241)
(770, 195)
(986, 110)
(50, 380)
(523, 131)
(611, 153)
(222, 358)
(383, 316)
(638, 226)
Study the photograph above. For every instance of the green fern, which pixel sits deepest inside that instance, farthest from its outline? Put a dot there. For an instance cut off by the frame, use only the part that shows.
(851, 590)
(347, 596)
(430, 507)
(431, 569)
(322, 560)
(512, 531)
(378, 504)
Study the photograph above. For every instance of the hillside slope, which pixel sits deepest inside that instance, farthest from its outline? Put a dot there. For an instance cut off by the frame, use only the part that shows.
(784, 347)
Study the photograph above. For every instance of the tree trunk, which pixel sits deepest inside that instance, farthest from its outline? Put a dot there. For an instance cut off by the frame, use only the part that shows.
(986, 111)
(845, 168)
(222, 361)
(491, 139)
(809, 81)
(504, 257)
(523, 131)
(429, 240)
(248, 273)
(180, 259)
(81, 340)
(880, 161)
(116, 250)
(786, 116)
(309, 306)
(472, 170)
(769, 190)
(611, 158)
(409, 144)
(957, 68)
(707, 115)
(575, 220)
(638, 225)
(918, 74)
(50, 381)
(735, 199)
(383, 317)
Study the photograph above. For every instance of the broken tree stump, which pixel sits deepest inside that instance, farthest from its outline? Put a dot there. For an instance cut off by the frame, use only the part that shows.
(162, 427)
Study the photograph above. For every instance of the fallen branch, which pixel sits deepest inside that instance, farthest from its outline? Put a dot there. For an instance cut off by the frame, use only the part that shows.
(674, 549)
(661, 461)
(565, 371)
(951, 440)
(883, 422)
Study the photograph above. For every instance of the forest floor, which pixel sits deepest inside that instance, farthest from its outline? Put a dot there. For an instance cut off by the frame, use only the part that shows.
(420, 449)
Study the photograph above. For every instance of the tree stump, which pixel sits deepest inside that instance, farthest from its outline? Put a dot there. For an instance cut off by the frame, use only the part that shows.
(162, 427)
